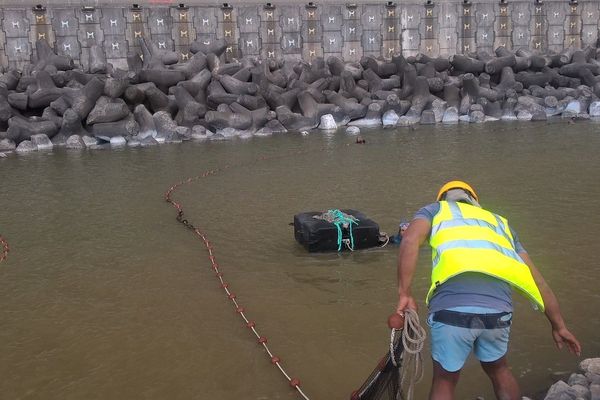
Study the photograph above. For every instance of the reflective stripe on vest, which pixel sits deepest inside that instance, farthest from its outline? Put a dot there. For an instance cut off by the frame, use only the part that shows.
(465, 238)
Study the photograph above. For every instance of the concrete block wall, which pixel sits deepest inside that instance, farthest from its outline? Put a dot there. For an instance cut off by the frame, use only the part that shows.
(589, 22)
(503, 27)
(299, 30)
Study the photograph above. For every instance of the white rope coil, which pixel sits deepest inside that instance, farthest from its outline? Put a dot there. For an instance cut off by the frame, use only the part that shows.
(413, 340)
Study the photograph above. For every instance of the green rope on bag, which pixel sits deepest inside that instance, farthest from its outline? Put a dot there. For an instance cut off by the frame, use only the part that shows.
(340, 220)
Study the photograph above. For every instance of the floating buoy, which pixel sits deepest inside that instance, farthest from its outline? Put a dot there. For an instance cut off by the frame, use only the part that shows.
(396, 321)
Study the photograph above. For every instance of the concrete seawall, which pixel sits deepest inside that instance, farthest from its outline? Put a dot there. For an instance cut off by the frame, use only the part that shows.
(296, 30)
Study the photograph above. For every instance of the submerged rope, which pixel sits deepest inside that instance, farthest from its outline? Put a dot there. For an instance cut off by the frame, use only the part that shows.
(413, 339)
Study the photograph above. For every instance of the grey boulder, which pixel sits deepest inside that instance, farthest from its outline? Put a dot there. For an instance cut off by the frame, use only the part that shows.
(7, 145)
(327, 123)
(26, 147)
(590, 365)
(353, 130)
(561, 391)
(595, 109)
(117, 141)
(389, 118)
(75, 142)
(89, 141)
(41, 141)
(450, 116)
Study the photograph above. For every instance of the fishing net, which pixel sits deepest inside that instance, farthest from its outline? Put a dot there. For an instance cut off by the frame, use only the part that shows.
(384, 381)
(401, 368)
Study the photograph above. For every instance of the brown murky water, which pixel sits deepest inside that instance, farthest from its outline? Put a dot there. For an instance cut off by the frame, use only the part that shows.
(105, 296)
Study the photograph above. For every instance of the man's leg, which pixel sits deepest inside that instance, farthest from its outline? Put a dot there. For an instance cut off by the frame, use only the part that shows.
(505, 384)
(443, 384)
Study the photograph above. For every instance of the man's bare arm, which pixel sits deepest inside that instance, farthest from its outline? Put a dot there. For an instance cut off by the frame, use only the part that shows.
(560, 333)
(408, 256)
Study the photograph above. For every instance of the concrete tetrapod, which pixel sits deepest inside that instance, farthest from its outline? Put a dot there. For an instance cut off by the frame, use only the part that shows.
(248, 95)
(21, 128)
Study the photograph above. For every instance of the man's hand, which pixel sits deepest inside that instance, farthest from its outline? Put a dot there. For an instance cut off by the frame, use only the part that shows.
(563, 336)
(405, 302)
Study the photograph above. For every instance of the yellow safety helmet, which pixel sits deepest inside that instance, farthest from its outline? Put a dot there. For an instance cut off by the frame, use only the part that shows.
(457, 185)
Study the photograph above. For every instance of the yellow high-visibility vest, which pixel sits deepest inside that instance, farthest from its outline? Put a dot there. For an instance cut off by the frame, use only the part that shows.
(465, 238)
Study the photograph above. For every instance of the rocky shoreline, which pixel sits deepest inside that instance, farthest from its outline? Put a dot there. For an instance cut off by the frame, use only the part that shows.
(581, 385)
(51, 102)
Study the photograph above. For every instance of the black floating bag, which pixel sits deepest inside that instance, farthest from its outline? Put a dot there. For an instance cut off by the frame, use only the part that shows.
(384, 382)
(317, 235)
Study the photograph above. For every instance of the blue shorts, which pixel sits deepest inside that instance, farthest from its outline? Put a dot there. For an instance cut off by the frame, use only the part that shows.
(451, 345)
